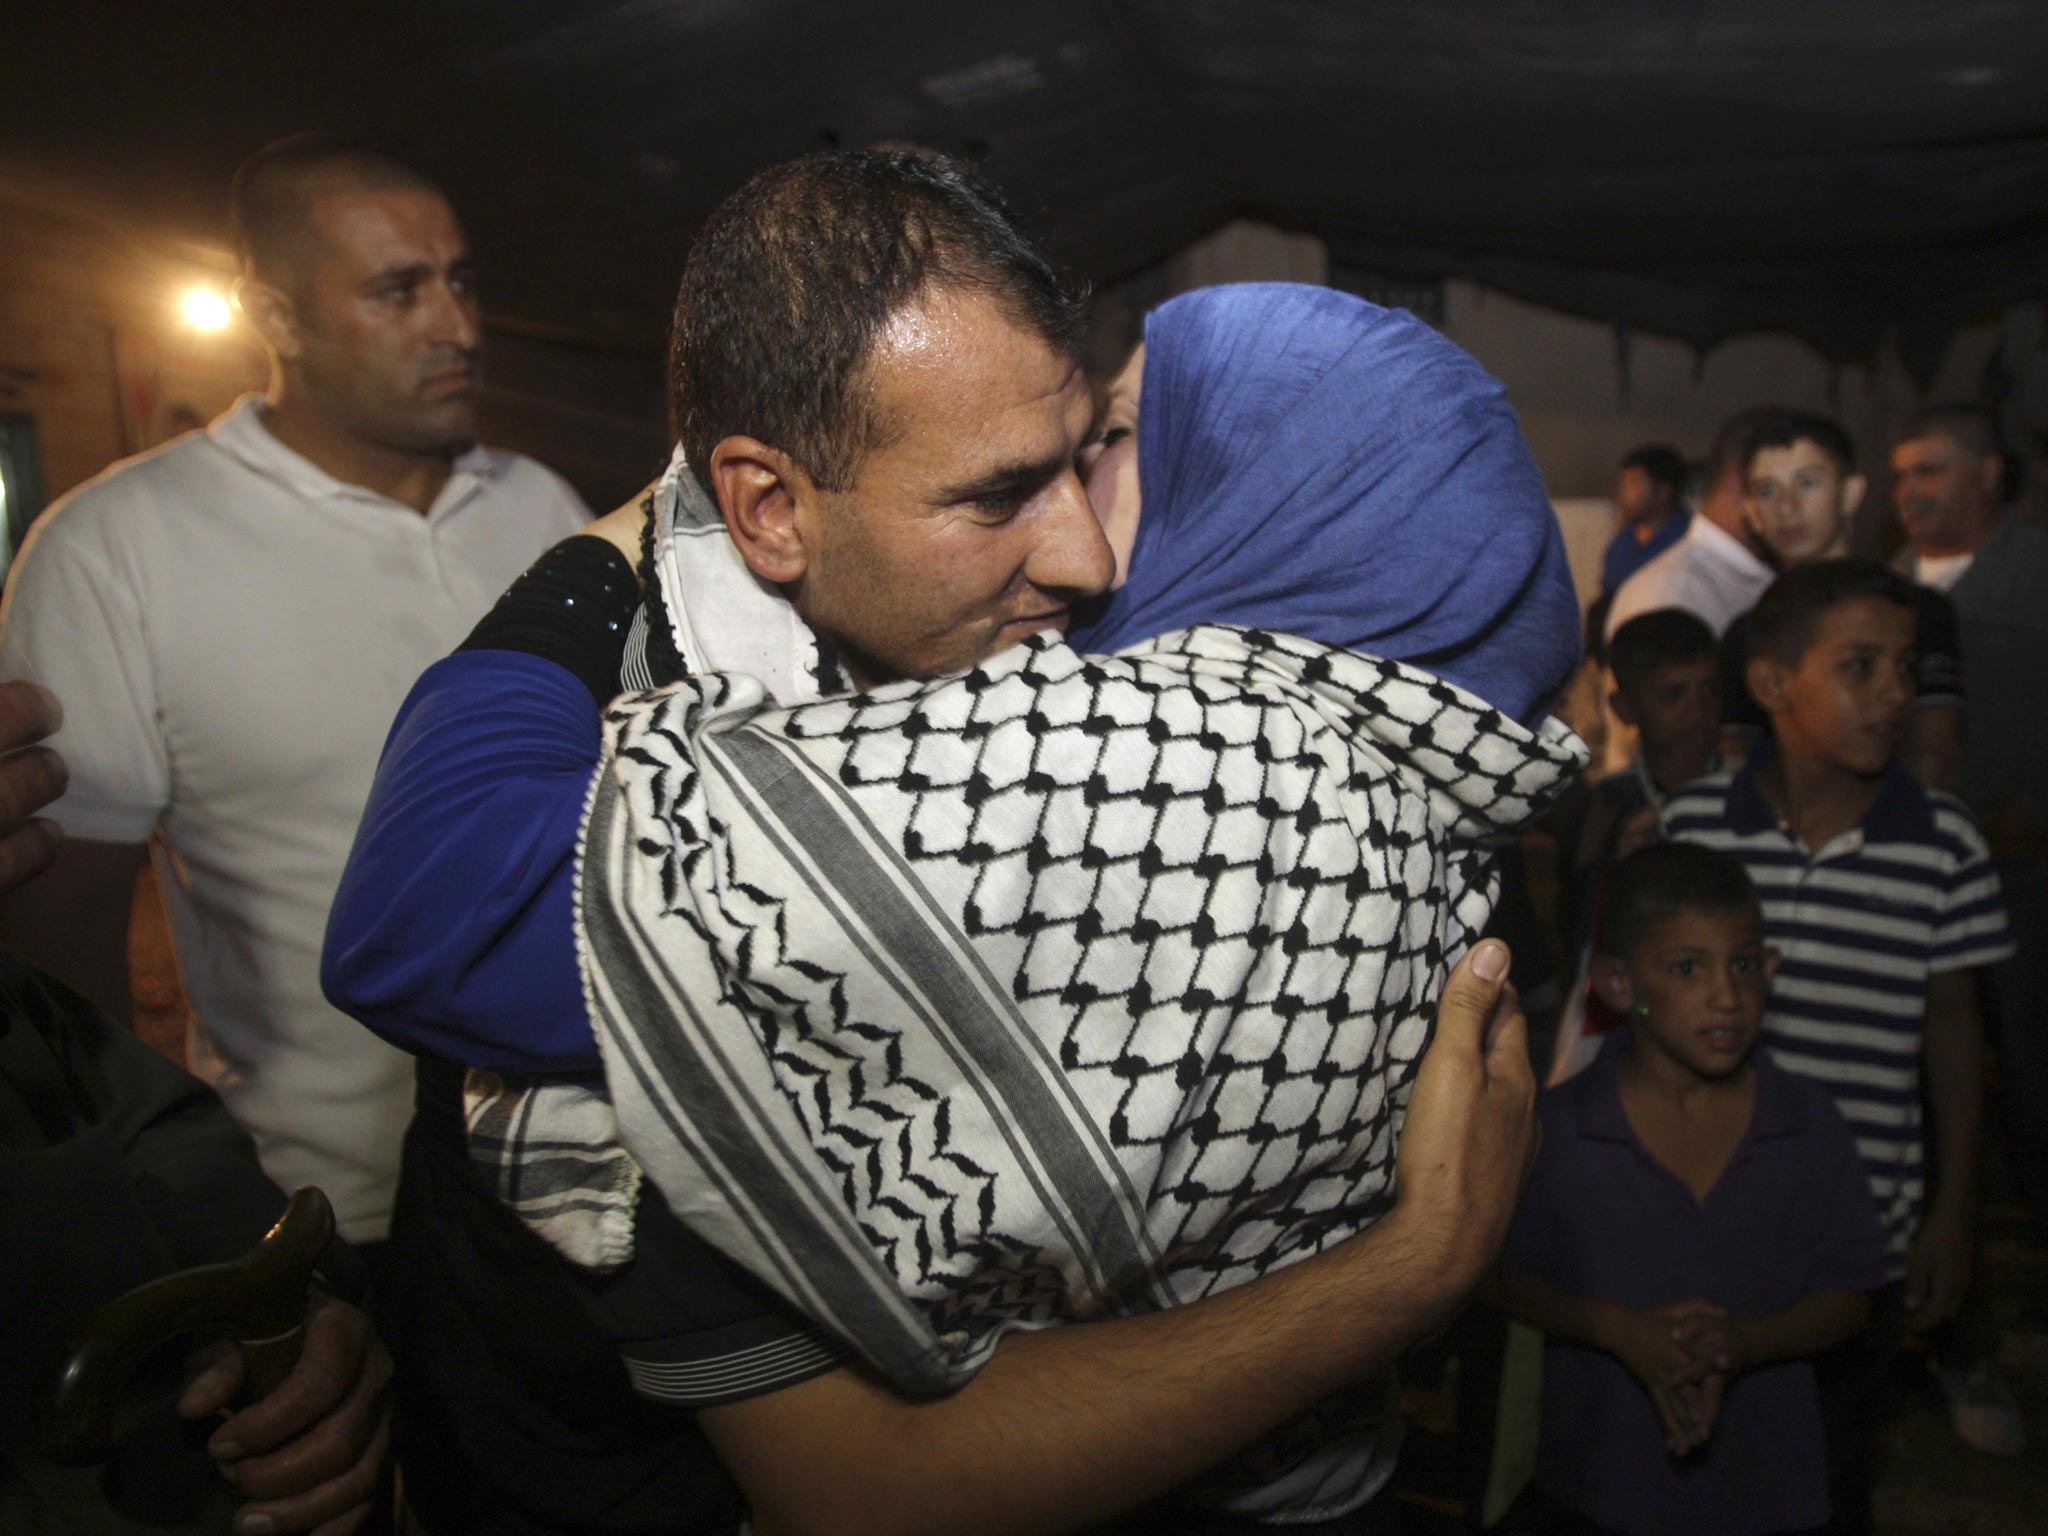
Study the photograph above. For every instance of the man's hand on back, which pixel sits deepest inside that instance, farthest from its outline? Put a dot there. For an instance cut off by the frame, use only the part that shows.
(1472, 1134)
(1067, 1426)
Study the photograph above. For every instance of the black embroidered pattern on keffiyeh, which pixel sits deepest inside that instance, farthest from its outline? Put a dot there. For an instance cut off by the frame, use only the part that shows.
(1070, 987)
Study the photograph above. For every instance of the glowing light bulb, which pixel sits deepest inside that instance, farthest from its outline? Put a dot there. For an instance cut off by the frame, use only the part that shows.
(204, 309)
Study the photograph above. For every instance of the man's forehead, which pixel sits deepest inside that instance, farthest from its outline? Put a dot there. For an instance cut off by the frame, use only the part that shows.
(957, 379)
(374, 227)
(1929, 448)
(1798, 453)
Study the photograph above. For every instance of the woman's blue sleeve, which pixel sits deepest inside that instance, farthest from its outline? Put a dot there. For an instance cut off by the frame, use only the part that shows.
(453, 933)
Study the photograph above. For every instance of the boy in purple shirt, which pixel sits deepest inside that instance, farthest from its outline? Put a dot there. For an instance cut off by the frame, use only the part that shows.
(1698, 1224)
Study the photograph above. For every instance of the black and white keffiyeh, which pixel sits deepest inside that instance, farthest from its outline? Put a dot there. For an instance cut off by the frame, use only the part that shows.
(1070, 987)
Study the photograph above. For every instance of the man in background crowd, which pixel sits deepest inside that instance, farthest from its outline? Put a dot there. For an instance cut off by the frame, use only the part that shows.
(1951, 482)
(1716, 569)
(1649, 492)
(232, 621)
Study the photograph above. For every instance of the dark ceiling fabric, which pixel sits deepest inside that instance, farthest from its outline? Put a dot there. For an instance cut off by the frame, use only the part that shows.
(1696, 169)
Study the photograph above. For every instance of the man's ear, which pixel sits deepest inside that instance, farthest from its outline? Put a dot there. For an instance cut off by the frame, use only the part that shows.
(759, 490)
(1618, 702)
(274, 314)
(1771, 959)
(1992, 474)
(1767, 677)
(1854, 488)
(1611, 984)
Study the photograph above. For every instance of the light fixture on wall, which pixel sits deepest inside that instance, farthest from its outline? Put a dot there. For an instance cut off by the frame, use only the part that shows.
(204, 309)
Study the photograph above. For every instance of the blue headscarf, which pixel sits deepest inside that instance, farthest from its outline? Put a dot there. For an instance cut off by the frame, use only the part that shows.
(1313, 464)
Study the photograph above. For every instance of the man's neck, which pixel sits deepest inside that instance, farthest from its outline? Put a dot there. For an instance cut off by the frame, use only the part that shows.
(412, 479)
(1650, 527)
(1817, 800)
(1974, 535)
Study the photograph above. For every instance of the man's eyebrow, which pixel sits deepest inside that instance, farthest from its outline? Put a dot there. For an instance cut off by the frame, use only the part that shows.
(410, 272)
(1004, 480)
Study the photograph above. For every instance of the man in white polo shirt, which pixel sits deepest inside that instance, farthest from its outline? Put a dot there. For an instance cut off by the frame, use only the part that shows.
(1716, 570)
(232, 622)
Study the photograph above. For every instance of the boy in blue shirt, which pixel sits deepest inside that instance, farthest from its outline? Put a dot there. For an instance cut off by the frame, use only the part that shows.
(1880, 897)
(1697, 1225)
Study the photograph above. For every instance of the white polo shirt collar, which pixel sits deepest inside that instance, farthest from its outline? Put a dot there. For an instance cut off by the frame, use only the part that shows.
(242, 435)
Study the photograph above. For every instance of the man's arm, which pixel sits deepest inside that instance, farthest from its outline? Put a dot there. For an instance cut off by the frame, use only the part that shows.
(1067, 1426)
(1938, 1269)
(72, 920)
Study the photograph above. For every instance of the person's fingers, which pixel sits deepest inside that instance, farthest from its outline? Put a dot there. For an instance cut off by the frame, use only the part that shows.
(212, 1378)
(331, 1365)
(29, 849)
(1470, 992)
(336, 1507)
(30, 778)
(329, 1448)
(1506, 1023)
(28, 713)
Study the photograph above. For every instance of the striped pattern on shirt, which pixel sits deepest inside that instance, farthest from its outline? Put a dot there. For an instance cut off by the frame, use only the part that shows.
(1861, 925)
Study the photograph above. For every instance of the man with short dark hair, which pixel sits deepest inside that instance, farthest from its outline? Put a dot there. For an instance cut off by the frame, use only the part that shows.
(231, 621)
(1948, 472)
(896, 497)
(1715, 570)
(1649, 492)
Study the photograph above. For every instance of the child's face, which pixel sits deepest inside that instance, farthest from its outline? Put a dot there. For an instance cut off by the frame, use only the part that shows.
(1698, 981)
(1677, 707)
(1847, 702)
(1801, 501)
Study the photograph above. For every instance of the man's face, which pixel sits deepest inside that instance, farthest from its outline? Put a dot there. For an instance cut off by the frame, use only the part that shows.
(968, 528)
(1944, 494)
(1677, 707)
(387, 321)
(1848, 700)
(1801, 502)
(1640, 498)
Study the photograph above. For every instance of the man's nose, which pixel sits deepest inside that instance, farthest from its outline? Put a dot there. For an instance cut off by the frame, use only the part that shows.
(455, 319)
(1899, 688)
(1070, 554)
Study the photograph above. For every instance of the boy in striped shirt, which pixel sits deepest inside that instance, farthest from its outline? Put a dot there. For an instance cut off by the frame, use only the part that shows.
(1879, 896)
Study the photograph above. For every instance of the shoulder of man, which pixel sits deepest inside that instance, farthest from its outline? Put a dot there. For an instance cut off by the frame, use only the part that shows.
(534, 484)
(104, 509)
(1659, 582)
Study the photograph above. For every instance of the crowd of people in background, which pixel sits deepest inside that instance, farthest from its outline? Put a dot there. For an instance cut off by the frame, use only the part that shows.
(1794, 923)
